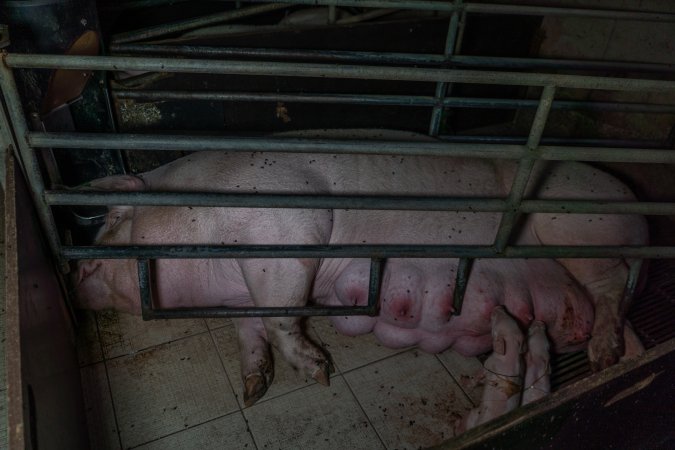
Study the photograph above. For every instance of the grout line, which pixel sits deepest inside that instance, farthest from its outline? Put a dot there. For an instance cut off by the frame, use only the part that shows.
(373, 427)
(227, 375)
(134, 352)
(182, 430)
(466, 394)
(107, 378)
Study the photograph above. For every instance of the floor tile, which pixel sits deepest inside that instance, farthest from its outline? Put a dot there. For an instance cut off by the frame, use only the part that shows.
(214, 324)
(169, 387)
(315, 417)
(286, 378)
(349, 352)
(123, 334)
(410, 399)
(99, 408)
(467, 371)
(88, 346)
(222, 433)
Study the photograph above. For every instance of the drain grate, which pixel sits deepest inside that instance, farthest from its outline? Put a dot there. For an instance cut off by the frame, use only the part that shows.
(652, 316)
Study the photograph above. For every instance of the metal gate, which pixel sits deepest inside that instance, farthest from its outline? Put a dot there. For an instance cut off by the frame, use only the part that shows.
(442, 70)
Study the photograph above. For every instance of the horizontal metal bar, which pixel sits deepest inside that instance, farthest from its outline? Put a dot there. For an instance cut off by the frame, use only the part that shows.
(294, 145)
(413, 203)
(487, 8)
(273, 68)
(395, 100)
(362, 251)
(195, 22)
(455, 61)
(286, 145)
(636, 144)
(259, 311)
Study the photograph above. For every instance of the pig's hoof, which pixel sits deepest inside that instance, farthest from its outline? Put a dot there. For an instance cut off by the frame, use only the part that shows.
(255, 387)
(604, 351)
(322, 373)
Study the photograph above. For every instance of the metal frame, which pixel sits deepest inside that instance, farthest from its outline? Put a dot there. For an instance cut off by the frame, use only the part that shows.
(511, 207)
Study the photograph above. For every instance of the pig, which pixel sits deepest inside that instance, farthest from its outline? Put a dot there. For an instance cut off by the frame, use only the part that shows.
(580, 302)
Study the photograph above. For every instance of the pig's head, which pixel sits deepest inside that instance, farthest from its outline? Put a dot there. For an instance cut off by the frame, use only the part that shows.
(110, 283)
(507, 339)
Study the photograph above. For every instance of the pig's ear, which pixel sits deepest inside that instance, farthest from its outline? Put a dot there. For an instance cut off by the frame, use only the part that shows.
(116, 214)
(86, 268)
(117, 183)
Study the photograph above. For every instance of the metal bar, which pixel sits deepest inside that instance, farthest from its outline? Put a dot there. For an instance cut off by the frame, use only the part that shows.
(259, 311)
(550, 143)
(363, 251)
(149, 312)
(294, 145)
(461, 282)
(487, 8)
(442, 88)
(388, 100)
(30, 163)
(524, 170)
(374, 285)
(455, 61)
(568, 12)
(274, 68)
(410, 203)
(204, 199)
(144, 284)
(190, 24)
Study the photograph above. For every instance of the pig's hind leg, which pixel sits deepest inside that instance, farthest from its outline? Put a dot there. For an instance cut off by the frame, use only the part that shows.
(285, 283)
(257, 367)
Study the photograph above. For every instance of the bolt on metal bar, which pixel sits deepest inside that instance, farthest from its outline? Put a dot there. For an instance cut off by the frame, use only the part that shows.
(442, 89)
(461, 282)
(362, 251)
(149, 312)
(190, 24)
(30, 163)
(524, 170)
(410, 203)
(342, 56)
(73, 62)
(387, 100)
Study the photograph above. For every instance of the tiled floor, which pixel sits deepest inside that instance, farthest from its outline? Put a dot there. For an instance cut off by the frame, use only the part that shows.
(176, 385)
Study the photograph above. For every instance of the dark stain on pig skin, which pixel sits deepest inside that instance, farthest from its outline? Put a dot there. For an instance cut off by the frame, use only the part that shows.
(567, 321)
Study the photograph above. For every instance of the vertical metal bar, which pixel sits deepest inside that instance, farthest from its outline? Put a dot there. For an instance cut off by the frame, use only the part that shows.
(332, 14)
(29, 162)
(524, 170)
(144, 286)
(442, 89)
(374, 285)
(461, 281)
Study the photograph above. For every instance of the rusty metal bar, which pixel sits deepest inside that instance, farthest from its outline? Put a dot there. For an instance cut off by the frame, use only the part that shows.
(461, 282)
(29, 162)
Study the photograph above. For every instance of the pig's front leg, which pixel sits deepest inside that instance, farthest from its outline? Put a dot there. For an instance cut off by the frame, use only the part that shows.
(503, 372)
(537, 364)
(281, 283)
(257, 368)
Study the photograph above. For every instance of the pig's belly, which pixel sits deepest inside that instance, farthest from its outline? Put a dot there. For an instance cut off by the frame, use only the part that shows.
(529, 289)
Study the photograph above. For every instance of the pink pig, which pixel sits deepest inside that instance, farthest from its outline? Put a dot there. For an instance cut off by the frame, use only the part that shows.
(576, 299)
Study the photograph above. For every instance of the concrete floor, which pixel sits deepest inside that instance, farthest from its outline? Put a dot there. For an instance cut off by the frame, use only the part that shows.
(176, 385)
